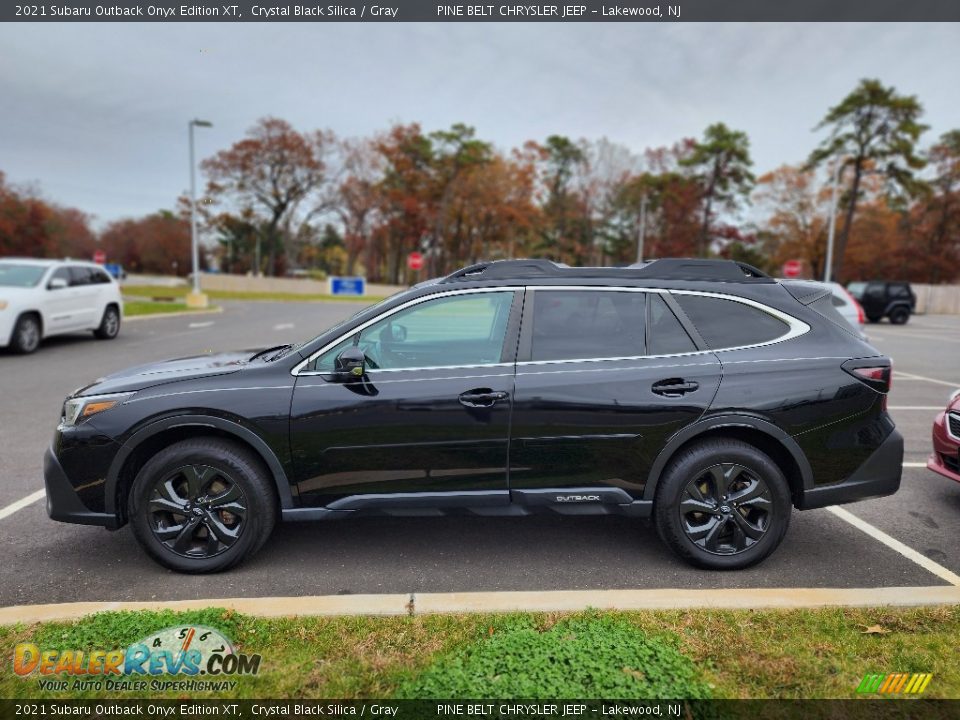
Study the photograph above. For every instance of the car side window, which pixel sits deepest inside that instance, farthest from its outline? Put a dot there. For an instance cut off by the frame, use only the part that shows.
(578, 324)
(61, 274)
(666, 335)
(727, 324)
(80, 275)
(99, 277)
(451, 331)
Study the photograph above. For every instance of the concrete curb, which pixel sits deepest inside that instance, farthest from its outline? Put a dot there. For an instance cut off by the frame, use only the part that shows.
(549, 601)
(184, 313)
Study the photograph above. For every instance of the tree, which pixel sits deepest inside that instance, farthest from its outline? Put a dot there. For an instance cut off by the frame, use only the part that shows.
(874, 130)
(271, 172)
(722, 164)
(938, 220)
(157, 243)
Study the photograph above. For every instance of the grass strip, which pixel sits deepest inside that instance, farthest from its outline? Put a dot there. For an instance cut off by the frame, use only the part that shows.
(159, 291)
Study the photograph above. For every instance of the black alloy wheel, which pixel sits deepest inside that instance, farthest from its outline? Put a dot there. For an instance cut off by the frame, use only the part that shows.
(726, 509)
(202, 505)
(722, 504)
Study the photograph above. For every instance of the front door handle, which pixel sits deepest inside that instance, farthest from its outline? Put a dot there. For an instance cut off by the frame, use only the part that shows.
(674, 387)
(482, 397)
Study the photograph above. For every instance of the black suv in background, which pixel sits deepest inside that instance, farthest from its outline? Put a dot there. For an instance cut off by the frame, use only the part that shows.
(703, 394)
(879, 299)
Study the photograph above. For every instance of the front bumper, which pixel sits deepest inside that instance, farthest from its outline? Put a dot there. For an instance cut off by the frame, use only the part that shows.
(945, 458)
(878, 476)
(63, 504)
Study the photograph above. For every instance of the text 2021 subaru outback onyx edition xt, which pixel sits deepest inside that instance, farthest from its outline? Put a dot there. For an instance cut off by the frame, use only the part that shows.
(701, 393)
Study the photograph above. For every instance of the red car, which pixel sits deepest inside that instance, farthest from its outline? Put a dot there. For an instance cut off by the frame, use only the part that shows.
(945, 458)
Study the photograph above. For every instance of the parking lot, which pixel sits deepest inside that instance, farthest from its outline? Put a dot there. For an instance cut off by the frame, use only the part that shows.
(47, 562)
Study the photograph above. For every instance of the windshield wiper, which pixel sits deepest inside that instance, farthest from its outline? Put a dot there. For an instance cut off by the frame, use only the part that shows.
(278, 350)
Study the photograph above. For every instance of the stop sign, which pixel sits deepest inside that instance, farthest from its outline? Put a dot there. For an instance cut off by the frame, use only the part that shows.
(792, 268)
(99, 257)
(414, 261)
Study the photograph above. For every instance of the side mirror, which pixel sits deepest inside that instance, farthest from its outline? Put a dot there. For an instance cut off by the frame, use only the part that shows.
(350, 363)
(57, 284)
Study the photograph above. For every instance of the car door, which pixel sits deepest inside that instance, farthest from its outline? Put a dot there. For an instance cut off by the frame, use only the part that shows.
(604, 377)
(86, 297)
(58, 303)
(427, 423)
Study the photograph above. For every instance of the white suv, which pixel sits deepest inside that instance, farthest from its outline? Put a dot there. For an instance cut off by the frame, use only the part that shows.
(40, 298)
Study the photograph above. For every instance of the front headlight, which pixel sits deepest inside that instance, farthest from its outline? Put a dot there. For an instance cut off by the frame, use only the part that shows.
(78, 409)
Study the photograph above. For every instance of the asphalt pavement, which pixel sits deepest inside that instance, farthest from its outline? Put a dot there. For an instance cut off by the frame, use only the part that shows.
(45, 561)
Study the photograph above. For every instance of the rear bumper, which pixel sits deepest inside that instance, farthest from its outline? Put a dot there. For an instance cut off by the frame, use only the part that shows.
(62, 501)
(878, 476)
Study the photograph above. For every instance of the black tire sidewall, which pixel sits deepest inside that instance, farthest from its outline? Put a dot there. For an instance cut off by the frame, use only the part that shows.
(15, 338)
(240, 466)
(101, 331)
(694, 461)
(899, 316)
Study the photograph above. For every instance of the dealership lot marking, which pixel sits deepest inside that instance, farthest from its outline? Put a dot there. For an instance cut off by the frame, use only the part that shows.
(910, 376)
(22, 503)
(922, 560)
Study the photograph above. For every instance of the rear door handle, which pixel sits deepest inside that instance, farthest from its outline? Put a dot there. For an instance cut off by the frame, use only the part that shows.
(674, 387)
(482, 397)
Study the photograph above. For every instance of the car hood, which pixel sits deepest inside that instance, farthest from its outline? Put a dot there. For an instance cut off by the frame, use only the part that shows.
(168, 371)
(13, 294)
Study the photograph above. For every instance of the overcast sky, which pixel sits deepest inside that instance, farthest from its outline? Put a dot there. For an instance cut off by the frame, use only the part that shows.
(96, 114)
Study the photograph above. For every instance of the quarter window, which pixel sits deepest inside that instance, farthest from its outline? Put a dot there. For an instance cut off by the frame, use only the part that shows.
(578, 324)
(727, 323)
(451, 331)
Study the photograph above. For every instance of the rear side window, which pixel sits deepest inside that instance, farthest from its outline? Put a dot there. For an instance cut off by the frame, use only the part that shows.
(80, 275)
(899, 291)
(666, 335)
(99, 277)
(579, 324)
(727, 323)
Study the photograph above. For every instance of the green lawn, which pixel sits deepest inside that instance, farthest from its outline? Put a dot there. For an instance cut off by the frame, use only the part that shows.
(158, 291)
(722, 654)
(136, 307)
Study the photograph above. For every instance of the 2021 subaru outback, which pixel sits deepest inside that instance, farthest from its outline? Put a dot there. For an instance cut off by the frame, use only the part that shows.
(701, 393)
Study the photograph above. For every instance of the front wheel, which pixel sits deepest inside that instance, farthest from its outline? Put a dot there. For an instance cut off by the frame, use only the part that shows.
(26, 334)
(722, 504)
(202, 505)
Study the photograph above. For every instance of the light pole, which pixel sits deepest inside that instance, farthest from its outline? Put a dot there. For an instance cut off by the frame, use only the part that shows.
(642, 230)
(831, 230)
(196, 298)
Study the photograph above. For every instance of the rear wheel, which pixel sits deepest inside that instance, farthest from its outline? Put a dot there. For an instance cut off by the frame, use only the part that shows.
(874, 318)
(899, 315)
(722, 504)
(26, 334)
(202, 505)
(109, 324)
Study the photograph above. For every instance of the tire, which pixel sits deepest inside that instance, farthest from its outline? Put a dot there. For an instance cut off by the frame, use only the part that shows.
(109, 324)
(899, 315)
(27, 334)
(874, 318)
(703, 469)
(172, 511)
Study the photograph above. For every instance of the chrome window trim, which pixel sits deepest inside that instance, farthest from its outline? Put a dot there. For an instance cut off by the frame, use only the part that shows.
(298, 368)
(796, 327)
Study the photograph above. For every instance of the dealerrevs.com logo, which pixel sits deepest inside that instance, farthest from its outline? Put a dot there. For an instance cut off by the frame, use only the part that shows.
(149, 664)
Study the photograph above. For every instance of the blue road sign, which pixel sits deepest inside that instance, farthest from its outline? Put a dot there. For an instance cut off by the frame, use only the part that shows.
(347, 285)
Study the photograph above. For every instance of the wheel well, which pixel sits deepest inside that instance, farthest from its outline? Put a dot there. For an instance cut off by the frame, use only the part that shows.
(763, 442)
(165, 438)
(35, 313)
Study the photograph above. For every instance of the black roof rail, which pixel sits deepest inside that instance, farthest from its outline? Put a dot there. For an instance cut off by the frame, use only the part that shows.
(663, 269)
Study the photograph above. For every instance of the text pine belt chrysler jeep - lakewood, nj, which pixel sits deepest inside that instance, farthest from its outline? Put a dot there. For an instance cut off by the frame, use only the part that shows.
(700, 393)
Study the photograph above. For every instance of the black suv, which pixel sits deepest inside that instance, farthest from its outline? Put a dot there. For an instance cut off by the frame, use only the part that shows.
(879, 299)
(700, 393)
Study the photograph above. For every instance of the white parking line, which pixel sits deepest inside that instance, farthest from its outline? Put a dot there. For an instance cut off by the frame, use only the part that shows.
(908, 552)
(21, 504)
(910, 376)
(283, 326)
(914, 464)
(915, 407)
(200, 324)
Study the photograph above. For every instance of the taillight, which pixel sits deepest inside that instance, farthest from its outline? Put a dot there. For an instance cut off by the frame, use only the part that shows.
(861, 317)
(877, 377)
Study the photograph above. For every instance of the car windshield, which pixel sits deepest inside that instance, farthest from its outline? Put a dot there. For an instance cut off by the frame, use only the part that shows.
(20, 274)
(856, 288)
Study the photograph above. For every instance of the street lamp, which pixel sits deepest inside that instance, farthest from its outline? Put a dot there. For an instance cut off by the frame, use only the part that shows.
(831, 229)
(196, 298)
